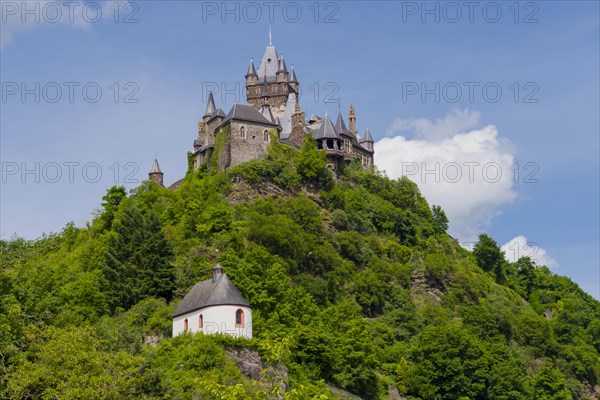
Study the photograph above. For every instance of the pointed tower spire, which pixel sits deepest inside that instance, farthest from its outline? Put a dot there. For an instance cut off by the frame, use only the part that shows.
(282, 72)
(340, 125)
(282, 66)
(251, 69)
(367, 140)
(155, 173)
(210, 105)
(293, 75)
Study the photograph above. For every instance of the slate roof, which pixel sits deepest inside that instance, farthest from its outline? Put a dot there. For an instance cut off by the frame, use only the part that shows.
(282, 66)
(326, 130)
(251, 69)
(340, 127)
(155, 168)
(269, 64)
(176, 184)
(368, 137)
(247, 113)
(217, 113)
(210, 105)
(293, 75)
(208, 293)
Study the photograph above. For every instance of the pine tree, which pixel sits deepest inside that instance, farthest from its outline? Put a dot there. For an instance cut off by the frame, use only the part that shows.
(137, 260)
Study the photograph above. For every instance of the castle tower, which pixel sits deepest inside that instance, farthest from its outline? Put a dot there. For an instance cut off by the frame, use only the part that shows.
(282, 72)
(210, 107)
(352, 121)
(274, 68)
(155, 173)
(251, 75)
(367, 141)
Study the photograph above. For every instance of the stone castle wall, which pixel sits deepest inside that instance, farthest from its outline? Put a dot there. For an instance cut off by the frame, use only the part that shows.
(251, 147)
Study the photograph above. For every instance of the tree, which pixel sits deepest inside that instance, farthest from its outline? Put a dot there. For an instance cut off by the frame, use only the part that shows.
(311, 163)
(490, 257)
(110, 203)
(440, 221)
(138, 259)
(69, 365)
(550, 384)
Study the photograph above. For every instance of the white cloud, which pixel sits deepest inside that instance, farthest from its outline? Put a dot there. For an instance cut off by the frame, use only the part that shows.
(18, 17)
(521, 247)
(455, 121)
(468, 174)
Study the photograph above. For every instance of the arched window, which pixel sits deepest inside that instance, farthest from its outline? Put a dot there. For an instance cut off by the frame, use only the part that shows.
(266, 137)
(185, 325)
(239, 318)
(243, 132)
(200, 321)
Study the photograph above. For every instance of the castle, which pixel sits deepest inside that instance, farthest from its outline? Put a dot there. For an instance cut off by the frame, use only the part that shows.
(273, 105)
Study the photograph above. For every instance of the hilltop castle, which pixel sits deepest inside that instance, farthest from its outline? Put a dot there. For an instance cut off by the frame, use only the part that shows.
(273, 105)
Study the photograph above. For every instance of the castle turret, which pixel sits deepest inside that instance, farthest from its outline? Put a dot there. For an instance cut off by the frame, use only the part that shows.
(210, 107)
(367, 140)
(155, 173)
(352, 121)
(293, 80)
(282, 72)
(251, 75)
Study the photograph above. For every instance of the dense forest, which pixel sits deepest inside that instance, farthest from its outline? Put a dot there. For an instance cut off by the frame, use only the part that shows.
(356, 288)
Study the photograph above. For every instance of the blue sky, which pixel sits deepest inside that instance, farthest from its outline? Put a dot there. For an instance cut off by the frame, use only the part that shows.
(398, 63)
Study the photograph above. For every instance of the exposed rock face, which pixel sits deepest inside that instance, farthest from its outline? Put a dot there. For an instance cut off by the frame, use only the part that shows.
(248, 361)
(252, 366)
(151, 339)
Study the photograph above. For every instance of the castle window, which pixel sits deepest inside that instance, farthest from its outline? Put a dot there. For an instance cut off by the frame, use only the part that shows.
(200, 321)
(239, 318)
(266, 137)
(243, 132)
(330, 144)
(185, 325)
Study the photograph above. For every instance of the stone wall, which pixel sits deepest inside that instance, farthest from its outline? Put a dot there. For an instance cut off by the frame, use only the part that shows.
(253, 146)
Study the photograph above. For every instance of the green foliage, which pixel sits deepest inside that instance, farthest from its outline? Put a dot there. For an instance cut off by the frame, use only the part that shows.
(311, 164)
(437, 268)
(356, 286)
(138, 259)
(490, 257)
(68, 364)
(110, 204)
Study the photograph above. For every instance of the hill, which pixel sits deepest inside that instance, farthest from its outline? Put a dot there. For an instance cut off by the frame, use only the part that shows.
(355, 285)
